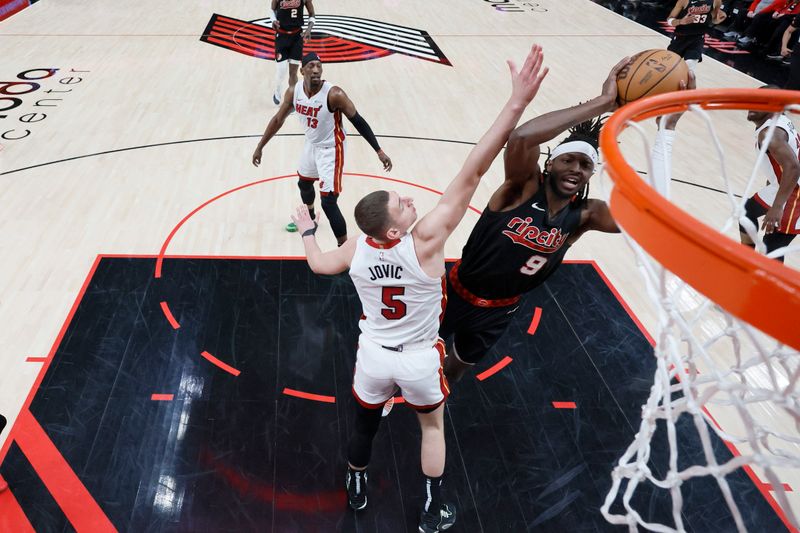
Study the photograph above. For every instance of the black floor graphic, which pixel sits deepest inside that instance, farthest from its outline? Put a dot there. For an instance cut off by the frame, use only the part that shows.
(234, 453)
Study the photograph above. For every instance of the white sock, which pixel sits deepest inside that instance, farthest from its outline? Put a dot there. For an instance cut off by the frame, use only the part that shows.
(281, 73)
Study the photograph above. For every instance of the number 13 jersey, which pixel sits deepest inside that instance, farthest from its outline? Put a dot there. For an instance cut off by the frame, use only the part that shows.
(401, 304)
(322, 127)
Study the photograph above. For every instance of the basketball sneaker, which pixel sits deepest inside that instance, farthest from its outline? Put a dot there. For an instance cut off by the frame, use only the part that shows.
(356, 483)
(440, 519)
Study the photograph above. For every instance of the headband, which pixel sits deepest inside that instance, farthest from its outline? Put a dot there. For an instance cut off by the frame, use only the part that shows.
(581, 147)
(309, 57)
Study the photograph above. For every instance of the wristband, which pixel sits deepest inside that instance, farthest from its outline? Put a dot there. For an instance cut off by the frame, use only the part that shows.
(670, 22)
(310, 231)
(311, 20)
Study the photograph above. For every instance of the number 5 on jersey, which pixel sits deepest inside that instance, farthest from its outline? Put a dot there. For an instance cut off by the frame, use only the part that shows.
(395, 309)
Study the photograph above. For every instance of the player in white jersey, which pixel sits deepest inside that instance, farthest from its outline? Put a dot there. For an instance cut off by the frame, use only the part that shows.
(779, 201)
(398, 273)
(320, 106)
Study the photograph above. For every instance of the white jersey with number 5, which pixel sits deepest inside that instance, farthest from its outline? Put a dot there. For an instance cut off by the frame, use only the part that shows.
(322, 127)
(401, 304)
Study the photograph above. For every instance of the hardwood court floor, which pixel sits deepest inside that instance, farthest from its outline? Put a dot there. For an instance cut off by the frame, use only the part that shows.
(145, 122)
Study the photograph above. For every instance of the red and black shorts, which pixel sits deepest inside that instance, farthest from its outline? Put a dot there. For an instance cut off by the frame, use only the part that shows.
(688, 46)
(289, 45)
(473, 324)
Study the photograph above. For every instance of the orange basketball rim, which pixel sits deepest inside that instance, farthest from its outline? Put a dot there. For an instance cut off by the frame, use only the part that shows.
(758, 290)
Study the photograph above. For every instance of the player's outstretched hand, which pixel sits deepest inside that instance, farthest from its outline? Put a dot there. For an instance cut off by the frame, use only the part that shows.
(670, 121)
(610, 85)
(387, 163)
(302, 219)
(257, 157)
(525, 83)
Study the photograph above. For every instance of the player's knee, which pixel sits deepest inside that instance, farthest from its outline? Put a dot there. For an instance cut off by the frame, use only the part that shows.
(331, 207)
(306, 191)
(752, 210)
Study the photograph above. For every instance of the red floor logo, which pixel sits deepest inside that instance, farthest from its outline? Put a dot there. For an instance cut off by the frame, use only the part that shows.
(336, 38)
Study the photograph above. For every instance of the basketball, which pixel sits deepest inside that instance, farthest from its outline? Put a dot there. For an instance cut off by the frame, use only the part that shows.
(649, 73)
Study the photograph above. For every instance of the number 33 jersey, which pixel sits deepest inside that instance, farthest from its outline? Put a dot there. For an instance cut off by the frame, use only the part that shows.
(321, 126)
(509, 253)
(401, 304)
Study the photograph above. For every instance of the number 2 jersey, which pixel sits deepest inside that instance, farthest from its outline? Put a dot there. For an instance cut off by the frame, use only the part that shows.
(509, 253)
(290, 14)
(321, 125)
(401, 303)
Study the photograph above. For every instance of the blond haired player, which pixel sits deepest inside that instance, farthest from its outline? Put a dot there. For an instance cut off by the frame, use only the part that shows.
(397, 267)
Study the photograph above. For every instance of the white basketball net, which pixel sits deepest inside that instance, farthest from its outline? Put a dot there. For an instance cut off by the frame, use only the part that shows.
(708, 360)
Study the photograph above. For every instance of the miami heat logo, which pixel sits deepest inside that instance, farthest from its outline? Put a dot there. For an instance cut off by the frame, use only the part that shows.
(336, 38)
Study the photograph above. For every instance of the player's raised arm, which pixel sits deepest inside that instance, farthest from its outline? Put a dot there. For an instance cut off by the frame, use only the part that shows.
(333, 262)
(437, 225)
(341, 102)
(275, 124)
(522, 153)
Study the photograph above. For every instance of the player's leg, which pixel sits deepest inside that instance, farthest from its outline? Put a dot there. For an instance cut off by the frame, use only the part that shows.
(295, 56)
(372, 386)
(424, 387)
(281, 67)
(436, 514)
(693, 53)
(473, 331)
(754, 209)
(307, 174)
(776, 240)
(359, 451)
(330, 162)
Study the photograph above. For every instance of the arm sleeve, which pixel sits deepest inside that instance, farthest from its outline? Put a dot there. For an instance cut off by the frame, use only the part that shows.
(365, 131)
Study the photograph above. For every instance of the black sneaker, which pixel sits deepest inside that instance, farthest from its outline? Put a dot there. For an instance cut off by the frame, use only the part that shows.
(356, 484)
(440, 519)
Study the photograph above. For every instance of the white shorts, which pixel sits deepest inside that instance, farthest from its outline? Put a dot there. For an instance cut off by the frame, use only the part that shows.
(323, 163)
(418, 373)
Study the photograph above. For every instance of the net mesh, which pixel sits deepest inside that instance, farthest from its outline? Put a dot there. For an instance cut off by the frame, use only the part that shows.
(708, 361)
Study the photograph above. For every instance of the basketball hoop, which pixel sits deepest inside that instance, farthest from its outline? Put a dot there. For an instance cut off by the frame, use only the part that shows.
(749, 357)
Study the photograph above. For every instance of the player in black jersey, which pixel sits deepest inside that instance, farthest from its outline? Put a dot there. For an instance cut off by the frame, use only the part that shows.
(527, 227)
(691, 20)
(287, 21)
